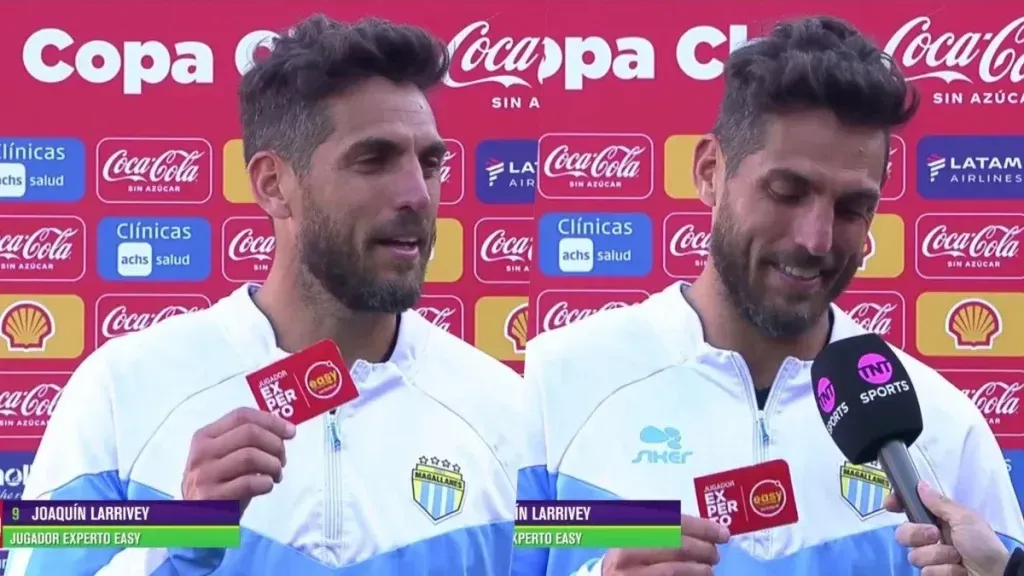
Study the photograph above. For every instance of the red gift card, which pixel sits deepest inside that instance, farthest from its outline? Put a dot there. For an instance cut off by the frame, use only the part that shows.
(748, 499)
(305, 384)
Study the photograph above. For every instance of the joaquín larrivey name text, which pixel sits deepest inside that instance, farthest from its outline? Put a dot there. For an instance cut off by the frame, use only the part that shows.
(92, 512)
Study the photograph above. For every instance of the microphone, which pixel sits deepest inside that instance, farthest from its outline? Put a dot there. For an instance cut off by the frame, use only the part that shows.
(870, 409)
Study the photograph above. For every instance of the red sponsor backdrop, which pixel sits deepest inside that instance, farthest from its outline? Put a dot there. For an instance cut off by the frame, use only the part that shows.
(612, 93)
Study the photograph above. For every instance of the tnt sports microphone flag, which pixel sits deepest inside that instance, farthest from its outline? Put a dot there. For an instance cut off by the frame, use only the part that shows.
(865, 397)
(138, 524)
(598, 524)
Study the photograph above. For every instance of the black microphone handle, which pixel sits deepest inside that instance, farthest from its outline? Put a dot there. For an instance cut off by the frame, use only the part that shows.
(899, 468)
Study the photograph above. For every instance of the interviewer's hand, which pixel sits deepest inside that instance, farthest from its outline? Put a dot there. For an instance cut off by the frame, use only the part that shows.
(975, 551)
(237, 457)
(696, 556)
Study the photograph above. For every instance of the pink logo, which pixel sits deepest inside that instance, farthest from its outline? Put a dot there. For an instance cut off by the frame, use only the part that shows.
(595, 166)
(247, 248)
(42, 249)
(826, 395)
(27, 400)
(453, 173)
(446, 312)
(559, 308)
(504, 250)
(687, 238)
(970, 246)
(884, 313)
(874, 369)
(154, 170)
(120, 314)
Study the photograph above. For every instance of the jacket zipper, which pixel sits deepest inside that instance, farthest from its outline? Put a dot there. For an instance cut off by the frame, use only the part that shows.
(332, 479)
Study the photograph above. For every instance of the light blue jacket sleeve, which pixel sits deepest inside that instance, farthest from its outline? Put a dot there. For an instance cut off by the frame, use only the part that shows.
(78, 459)
(984, 484)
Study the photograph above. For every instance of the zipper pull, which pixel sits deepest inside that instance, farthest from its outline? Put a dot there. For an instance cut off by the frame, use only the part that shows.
(332, 426)
(764, 429)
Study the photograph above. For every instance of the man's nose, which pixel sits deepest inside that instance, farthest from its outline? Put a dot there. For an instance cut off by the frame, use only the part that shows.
(813, 229)
(410, 189)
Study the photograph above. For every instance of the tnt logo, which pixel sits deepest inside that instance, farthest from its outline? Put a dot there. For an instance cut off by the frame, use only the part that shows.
(27, 326)
(720, 504)
(974, 325)
(453, 173)
(323, 379)
(501, 327)
(280, 401)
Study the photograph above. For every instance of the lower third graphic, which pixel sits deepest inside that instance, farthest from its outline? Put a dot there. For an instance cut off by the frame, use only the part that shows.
(595, 244)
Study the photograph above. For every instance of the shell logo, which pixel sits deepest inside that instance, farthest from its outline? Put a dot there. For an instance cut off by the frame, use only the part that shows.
(867, 252)
(516, 327)
(974, 325)
(26, 326)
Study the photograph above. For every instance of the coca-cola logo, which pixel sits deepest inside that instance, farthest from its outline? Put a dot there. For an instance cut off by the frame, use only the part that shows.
(248, 245)
(688, 241)
(996, 399)
(992, 241)
(49, 244)
(873, 317)
(170, 167)
(994, 56)
(438, 316)
(121, 321)
(446, 167)
(561, 314)
(499, 246)
(613, 162)
(36, 402)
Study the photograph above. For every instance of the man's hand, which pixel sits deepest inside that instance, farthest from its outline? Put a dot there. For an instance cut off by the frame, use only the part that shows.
(237, 457)
(696, 556)
(973, 548)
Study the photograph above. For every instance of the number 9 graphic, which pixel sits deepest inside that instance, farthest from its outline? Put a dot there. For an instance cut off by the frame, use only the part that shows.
(15, 514)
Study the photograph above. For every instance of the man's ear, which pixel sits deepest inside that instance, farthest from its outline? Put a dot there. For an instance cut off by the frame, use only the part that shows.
(708, 163)
(268, 173)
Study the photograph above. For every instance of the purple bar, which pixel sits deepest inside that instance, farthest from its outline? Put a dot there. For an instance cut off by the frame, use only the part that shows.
(598, 513)
(129, 513)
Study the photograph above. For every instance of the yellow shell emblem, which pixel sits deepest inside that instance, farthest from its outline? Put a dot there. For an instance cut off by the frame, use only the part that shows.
(516, 328)
(974, 324)
(26, 326)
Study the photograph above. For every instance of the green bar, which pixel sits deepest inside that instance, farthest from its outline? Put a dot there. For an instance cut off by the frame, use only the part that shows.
(122, 536)
(598, 536)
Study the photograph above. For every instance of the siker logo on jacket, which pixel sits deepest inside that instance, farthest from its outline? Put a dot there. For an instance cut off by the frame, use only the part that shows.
(665, 446)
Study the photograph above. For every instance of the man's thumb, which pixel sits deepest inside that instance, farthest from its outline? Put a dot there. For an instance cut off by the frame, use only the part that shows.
(942, 507)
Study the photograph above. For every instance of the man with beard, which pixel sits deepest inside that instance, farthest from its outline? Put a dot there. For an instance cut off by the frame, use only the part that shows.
(634, 403)
(417, 475)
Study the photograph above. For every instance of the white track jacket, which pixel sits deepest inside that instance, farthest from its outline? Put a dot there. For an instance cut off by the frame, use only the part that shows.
(633, 404)
(348, 505)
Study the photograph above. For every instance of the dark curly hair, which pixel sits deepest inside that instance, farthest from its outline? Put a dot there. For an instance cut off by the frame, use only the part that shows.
(807, 64)
(280, 97)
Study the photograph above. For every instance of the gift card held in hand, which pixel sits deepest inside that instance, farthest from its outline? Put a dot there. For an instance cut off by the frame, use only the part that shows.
(305, 384)
(748, 499)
